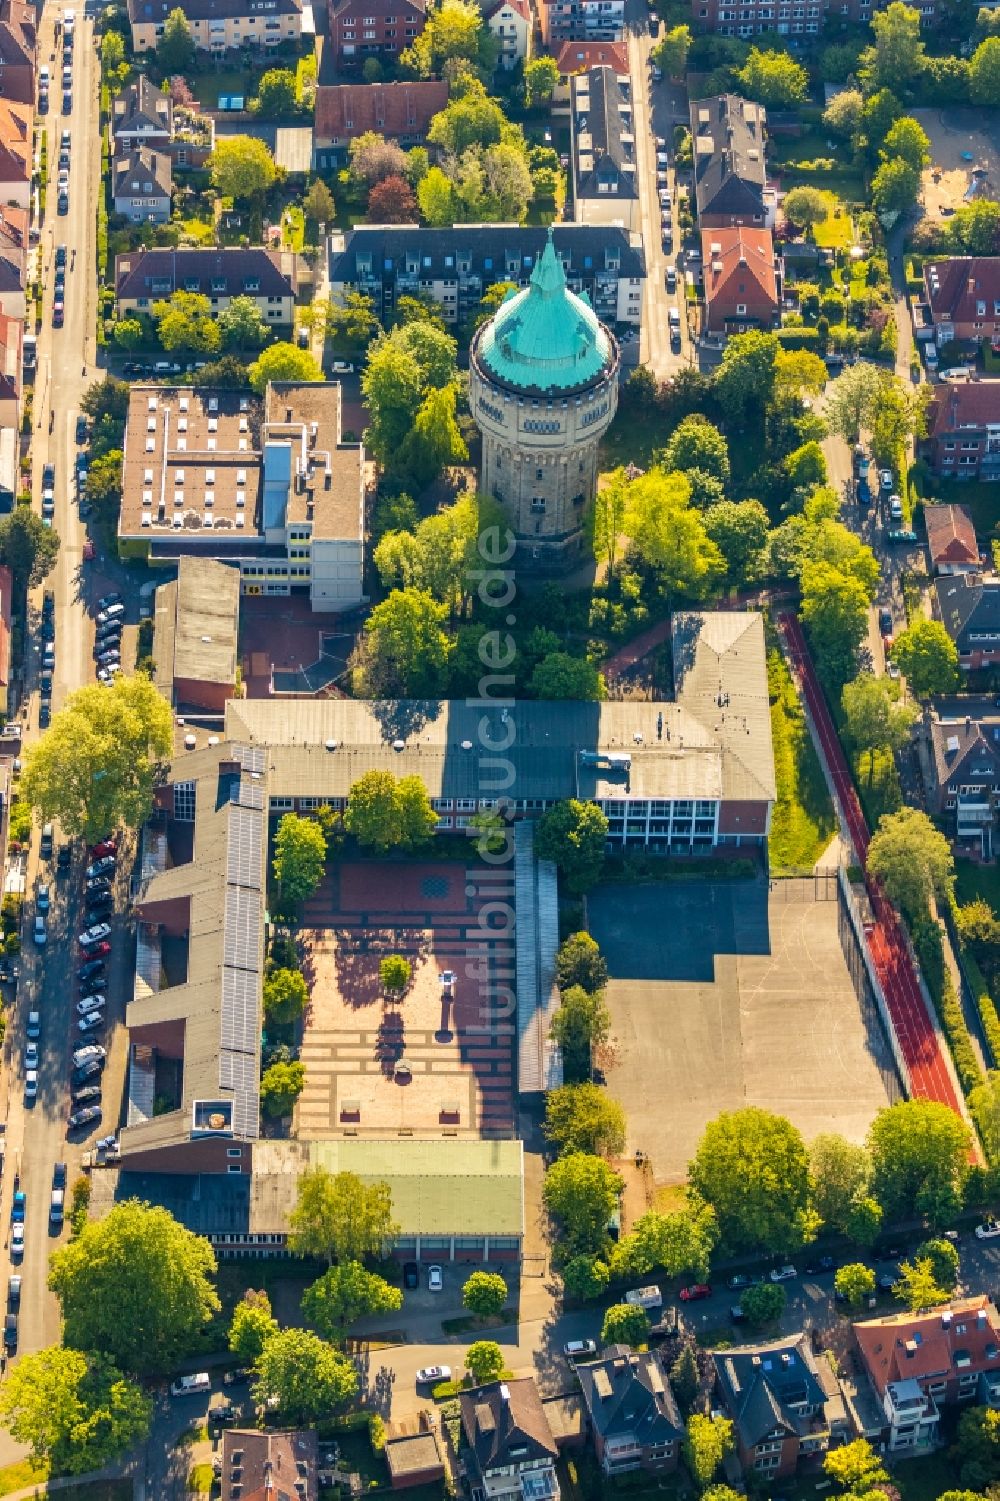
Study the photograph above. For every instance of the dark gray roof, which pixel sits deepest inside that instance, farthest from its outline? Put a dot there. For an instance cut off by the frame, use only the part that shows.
(965, 744)
(197, 270)
(505, 1424)
(968, 604)
(727, 135)
(603, 133)
(142, 104)
(763, 1384)
(207, 1203)
(497, 252)
(142, 172)
(628, 1393)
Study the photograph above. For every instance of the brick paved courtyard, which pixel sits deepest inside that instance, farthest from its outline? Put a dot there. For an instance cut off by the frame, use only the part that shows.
(458, 1055)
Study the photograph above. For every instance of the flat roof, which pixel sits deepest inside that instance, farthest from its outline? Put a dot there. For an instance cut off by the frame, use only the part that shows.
(413, 1454)
(197, 624)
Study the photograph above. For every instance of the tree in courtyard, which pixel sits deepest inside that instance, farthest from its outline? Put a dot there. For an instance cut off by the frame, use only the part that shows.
(346, 1293)
(580, 962)
(241, 167)
(753, 1169)
(94, 769)
(912, 859)
(580, 1192)
(175, 47)
(908, 140)
(581, 1027)
(685, 1378)
(27, 546)
(406, 648)
(76, 1412)
(586, 1277)
(283, 362)
(339, 1218)
(318, 205)
(485, 1294)
(876, 718)
(984, 73)
(805, 207)
(352, 325)
(574, 835)
(855, 1282)
(856, 1468)
(280, 1087)
(484, 1361)
(774, 78)
(708, 1442)
(373, 158)
(696, 443)
(388, 812)
(395, 973)
(275, 98)
(252, 1326)
(301, 1378)
(943, 1258)
(584, 1118)
(625, 1324)
(299, 858)
(285, 996)
(842, 115)
(927, 657)
(391, 201)
(242, 325)
(562, 676)
(763, 1303)
(740, 529)
(541, 75)
(671, 54)
(919, 1152)
(135, 1286)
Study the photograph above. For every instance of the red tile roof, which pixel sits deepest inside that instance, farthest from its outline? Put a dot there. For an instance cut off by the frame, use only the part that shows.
(577, 57)
(347, 110)
(522, 7)
(924, 1345)
(738, 263)
(951, 534)
(956, 404)
(6, 597)
(954, 287)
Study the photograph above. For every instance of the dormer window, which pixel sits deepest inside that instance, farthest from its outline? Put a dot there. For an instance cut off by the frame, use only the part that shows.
(251, 284)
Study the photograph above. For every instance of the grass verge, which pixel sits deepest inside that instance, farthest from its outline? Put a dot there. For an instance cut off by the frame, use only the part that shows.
(803, 821)
(17, 1477)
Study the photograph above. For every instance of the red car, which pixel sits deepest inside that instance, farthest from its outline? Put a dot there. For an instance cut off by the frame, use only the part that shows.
(106, 847)
(695, 1292)
(97, 950)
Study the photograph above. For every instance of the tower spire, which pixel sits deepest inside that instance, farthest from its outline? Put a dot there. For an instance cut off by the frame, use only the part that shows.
(548, 276)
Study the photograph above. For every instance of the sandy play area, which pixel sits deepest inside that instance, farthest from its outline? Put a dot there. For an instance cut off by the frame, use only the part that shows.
(962, 140)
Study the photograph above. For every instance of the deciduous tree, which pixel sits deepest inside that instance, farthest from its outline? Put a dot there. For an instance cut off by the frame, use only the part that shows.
(299, 858)
(899, 52)
(856, 1468)
(485, 1294)
(373, 158)
(540, 78)
(774, 78)
(27, 546)
(584, 1118)
(301, 1378)
(974, 229)
(740, 529)
(280, 1087)
(339, 1218)
(855, 1282)
(835, 611)
(580, 1192)
(894, 187)
(395, 973)
(805, 207)
(708, 1442)
(388, 812)
(984, 73)
(753, 1169)
(841, 1174)
(586, 1277)
(574, 835)
(346, 1293)
(241, 167)
(252, 1326)
(928, 658)
(671, 54)
(406, 646)
(696, 443)
(763, 1303)
(625, 1325)
(285, 995)
(75, 1411)
(580, 1027)
(175, 47)
(912, 859)
(561, 676)
(580, 962)
(876, 719)
(318, 205)
(283, 361)
(242, 325)
(669, 534)
(484, 1361)
(391, 201)
(908, 140)
(135, 1286)
(919, 1152)
(275, 99)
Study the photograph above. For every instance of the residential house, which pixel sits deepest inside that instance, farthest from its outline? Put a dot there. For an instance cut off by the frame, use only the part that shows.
(730, 178)
(400, 111)
(747, 18)
(965, 756)
(141, 185)
(360, 29)
(580, 21)
(951, 538)
(508, 1447)
(969, 606)
(602, 134)
(15, 154)
(414, 1459)
(143, 277)
(18, 48)
(963, 296)
(580, 57)
(6, 608)
(741, 280)
(11, 339)
(963, 430)
(633, 1416)
(512, 23)
(456, 265)
(220, 26)
(143, 116)
(13, 262)
(918, 1362)
(784, 1403)
(276, 1466)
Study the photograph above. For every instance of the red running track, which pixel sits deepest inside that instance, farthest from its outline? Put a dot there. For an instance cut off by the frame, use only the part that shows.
(929, 1076)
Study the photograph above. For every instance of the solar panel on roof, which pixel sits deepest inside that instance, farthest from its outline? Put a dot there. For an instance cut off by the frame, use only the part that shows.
(250, 794)
(250, 757)
(245, 848)
(237, 1071)
(246, 1113)
(240, 1026)
(242, 931)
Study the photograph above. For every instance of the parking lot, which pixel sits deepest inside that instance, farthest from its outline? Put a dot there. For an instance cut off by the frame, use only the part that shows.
(725, 994)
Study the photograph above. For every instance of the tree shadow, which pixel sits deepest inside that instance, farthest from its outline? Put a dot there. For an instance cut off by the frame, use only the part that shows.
(390, 1042)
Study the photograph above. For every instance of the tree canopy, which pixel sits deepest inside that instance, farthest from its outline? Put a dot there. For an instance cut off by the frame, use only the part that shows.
(580, 1026)
(339, 1218)
(388, 812)
(919, 1152)
(624, 1324)
(27, 546)
(303, 1376)
(241, 167)
(774, 79)
(912, 859)
(580, 1192)
(406, 647)
(927, 657)
(753, 1169)
(135, 1286)
(484, 1294)
(280, 1086)
(75, 1411)
(175, 46)
(584, 1118)
(484, 1361)
(574, 834)
(283, 361)
(876, 718)
(94, 768)
(580, 962)
(346, 1293)
(252, 1326)
(299, 858)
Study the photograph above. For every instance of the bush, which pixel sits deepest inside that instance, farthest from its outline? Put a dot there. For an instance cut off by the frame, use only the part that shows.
(376, 1433)
(79, 1204)
(395, 973)
(929, 949)
(799, 338)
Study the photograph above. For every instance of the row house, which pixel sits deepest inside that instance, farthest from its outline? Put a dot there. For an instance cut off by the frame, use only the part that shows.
(400, 111)
(580, 21)
(143, 277)
(18, 48)
(360, 29)
(963, 296)
(730, 177)
(142, 184)
(963, 430)
(632, 1414)
(602, 131)
(741, 280)
(512, 23)
(747, 18)
(965, 757)
(919, 1362)
(143, 116)
(219, 26)
(15, 154)
(784, 1403)
(456, 265)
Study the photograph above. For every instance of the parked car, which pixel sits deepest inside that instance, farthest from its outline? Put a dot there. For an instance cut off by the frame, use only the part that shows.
(92, 936)
(91, 1023)
(895, 508)
(34, 1024)
(102, 867)
(42, 897)
(432, 1374)
(820, 1264)
(645, 1297)
(411, 1274)
(736, 1313)
(236, 1376)
(885, 620)
(18, 1206)
(17, 1243)
(14, 1291)
(31, 1055)
(31, 1084)
(88, 1116)
(59, 1175)
(738, 1281)
(88, 1094)
(901, 534)
(885, 479)
(86, 1073)
(783, 1273)
(190, 1386)
(90, 971)
(988, 1230)
(57, 1206)
(435, 1279)
(38, 932)
(107, 600)
(92, 1053)
(695, 1292)
(579, 1349)
(99, 904)
(10, 1333)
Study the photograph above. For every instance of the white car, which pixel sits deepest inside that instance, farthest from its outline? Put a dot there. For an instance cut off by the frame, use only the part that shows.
(783, 1273)
(31, 1055)
(342, 367)
(39, 934)
(435, 1279)
(16, 1242)
(190, 1386)
(664, 197)
(578, 1349)
(96, 934)
(90, 1003)
(34, 1024)
(895, 508)
(661, 159)
(63, 178)
(92, 1022)
(988, 1230)
(92, 1053)
(433, 1374)
(885, 478)
(31, 1084)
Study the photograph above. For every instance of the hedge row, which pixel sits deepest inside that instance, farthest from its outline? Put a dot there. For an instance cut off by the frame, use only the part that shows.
(928, 946)
(988, 1018)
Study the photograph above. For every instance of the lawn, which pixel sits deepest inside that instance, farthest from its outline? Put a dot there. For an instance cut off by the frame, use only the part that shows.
(973, 880)
(803, 821)
(630, 439)
(208, 86)
(293, 228)
(785, 155)
(17, 1477)
(882, 793)
(837, 231)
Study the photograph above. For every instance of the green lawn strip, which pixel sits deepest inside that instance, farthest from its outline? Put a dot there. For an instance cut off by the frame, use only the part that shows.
(200, 1479)
(468, 1323)
(973, 881)
(630, 439)
(837, 231)
(803, 821)
(17, 1477)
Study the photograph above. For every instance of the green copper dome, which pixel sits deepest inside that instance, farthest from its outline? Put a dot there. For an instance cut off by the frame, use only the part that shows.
(545, 337)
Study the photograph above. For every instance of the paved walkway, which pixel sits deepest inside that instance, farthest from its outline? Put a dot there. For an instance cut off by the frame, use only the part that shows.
(929, 1075)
